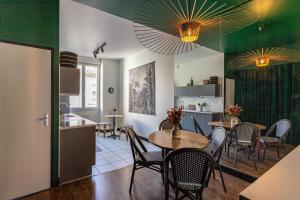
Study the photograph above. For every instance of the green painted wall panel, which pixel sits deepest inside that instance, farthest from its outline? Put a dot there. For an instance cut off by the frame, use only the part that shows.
(36, 22)
(269, 94)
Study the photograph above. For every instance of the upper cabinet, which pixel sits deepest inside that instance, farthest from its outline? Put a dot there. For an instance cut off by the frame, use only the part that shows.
(69, 81)
(69, 74)
(212, 90)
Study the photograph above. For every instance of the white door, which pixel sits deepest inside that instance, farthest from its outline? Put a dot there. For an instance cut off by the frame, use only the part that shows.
(25, 98)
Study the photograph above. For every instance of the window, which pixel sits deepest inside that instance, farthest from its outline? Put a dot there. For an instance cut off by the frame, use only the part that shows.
(89, 87)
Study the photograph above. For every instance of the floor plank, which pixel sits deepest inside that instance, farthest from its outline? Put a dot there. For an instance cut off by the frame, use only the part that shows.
(148, 185)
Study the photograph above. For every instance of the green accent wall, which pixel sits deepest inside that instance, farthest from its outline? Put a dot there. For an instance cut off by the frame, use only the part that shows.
(36, 22)
(269, 94)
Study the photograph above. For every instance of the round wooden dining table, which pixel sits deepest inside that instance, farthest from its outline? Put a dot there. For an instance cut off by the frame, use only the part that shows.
(185, 139)
(227, 125)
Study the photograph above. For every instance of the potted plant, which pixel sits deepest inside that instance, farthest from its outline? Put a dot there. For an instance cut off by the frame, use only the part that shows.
(174, 115)
(234, 112)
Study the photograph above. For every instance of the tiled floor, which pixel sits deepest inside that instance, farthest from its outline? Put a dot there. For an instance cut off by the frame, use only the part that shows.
(115, 154)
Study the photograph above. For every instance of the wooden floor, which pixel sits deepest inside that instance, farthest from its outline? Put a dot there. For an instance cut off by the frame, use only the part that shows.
(148, 185)
(246, 166)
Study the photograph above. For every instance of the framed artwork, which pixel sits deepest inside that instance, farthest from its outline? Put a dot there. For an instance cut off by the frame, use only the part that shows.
(142, 89)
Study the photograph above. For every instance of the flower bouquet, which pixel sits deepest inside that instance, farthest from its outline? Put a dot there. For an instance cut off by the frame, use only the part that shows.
(234, 112)
(174, 116)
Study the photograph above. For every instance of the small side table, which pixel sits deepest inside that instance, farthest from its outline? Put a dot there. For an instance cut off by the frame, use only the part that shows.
(114, 117)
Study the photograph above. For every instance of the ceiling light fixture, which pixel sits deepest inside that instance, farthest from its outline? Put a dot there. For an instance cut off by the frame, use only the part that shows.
(174, 26)
(189, 31)
(264, 57)
(262, 61)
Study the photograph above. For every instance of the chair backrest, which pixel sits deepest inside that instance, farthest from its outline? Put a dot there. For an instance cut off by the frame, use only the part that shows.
(136, 144)
(166, 125)
(283, 127)
(190, 166)
(217, 141)
(244, 132)
(197, 126)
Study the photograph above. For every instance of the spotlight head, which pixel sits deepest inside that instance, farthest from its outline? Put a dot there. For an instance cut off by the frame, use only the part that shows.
(96, 51)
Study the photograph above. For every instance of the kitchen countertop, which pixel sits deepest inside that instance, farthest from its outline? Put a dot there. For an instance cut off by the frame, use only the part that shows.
(72, 121)
(204, 112)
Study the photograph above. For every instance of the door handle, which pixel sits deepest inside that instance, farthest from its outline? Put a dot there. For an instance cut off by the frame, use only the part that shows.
(45, 118)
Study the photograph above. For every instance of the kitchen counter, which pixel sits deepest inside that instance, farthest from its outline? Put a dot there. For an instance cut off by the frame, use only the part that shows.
(203, 118)
(203, 112)
(77, 147)
(72, 121)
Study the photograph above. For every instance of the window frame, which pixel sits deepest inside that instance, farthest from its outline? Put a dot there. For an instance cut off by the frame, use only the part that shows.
(83, 107)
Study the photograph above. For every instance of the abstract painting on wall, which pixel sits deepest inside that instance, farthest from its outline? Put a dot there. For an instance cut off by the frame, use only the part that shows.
(142, 89)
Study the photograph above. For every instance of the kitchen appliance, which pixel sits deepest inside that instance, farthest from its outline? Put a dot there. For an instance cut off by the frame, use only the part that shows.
(201, 106)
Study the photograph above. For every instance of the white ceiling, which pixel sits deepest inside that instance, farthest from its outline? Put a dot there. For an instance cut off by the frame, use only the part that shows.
(83, 29)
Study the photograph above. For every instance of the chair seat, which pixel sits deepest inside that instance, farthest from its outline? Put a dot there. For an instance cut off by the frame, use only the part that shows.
(185, 185)
(152, 157)
(266, 139)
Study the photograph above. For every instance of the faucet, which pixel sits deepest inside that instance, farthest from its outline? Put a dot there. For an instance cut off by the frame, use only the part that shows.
(201, 106)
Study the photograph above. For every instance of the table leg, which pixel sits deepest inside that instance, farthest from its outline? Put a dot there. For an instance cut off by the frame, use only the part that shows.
(258, 145)
(113, 128)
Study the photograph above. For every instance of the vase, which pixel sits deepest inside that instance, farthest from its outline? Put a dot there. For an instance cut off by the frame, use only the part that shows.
(234, 121)
(175, 130)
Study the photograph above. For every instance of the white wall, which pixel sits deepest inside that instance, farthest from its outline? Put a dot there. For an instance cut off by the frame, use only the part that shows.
(164, 72)
(110, 78)
(200, 69)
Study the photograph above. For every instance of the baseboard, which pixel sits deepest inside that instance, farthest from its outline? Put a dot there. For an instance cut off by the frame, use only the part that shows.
(239, 174)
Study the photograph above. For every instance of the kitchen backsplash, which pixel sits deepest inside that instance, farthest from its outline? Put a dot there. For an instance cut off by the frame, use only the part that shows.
(213, 104)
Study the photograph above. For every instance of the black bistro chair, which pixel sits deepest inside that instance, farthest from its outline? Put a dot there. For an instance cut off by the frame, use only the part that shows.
(188, 171)
(283, 127)
(167, 125)
(217, 140)
(243, 137)
(141, 157)
(197, 127)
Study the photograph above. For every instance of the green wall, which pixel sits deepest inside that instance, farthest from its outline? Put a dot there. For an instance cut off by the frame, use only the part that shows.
(269, 94)
(36, 22)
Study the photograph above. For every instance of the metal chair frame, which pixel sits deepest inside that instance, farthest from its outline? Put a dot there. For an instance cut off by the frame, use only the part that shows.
(243, 146)
(207, 169)
(281, 136)
(217, 153)
(140, 160)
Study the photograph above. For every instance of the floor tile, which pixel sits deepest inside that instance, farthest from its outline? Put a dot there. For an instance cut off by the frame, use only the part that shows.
(116, 153)
(113, 159)
(106, 168)
(107, 155)
(120, 164)
(127, 155)
(95, 171)
(129, 160)
(101, 161)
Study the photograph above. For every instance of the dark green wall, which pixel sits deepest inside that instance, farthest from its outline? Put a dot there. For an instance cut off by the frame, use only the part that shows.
(269, 94)
(36, 22)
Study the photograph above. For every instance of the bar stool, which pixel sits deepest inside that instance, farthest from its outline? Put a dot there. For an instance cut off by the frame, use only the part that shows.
(103, 127)
(123, 129)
